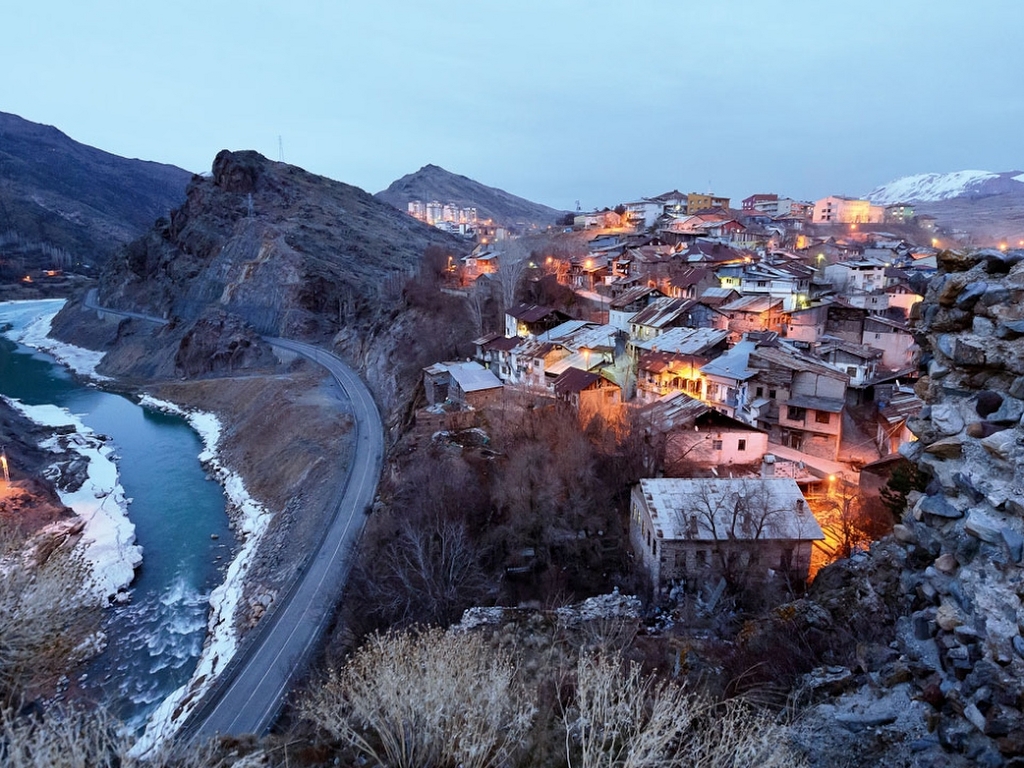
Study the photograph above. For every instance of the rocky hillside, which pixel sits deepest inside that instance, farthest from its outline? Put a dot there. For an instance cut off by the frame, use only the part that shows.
(433, 183)
(68, 205)
(286, 251)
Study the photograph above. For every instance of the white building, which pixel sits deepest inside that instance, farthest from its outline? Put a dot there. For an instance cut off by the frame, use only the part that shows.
(695, 529)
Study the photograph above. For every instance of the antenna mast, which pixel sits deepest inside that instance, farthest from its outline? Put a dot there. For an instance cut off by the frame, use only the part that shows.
(280, 148)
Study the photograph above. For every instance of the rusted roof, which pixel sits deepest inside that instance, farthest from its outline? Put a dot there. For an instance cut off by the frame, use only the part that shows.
(530, 313)
(661, 312)
(575, 380)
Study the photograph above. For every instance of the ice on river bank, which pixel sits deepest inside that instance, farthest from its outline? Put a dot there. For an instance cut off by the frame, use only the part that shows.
(108, 539)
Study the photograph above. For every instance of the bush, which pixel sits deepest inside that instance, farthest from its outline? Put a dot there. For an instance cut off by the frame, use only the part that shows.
(621, 718)
(420, 700)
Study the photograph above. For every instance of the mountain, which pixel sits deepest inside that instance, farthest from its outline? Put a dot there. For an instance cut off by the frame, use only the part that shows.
(977, 208)
(71, 205)
(284, 250)
(434, 183)
(933, 187)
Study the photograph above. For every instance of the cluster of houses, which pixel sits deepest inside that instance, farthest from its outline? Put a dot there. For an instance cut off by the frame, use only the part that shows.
(741, 342)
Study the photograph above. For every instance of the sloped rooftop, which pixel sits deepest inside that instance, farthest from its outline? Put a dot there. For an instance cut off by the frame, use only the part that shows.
(714, 509)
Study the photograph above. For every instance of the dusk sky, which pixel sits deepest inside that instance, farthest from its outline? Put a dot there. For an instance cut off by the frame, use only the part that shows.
(595, 101)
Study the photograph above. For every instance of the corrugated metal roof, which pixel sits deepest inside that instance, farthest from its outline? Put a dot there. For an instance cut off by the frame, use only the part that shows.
(816, 403)
(733, 364)
(473, 377)
(684, 341)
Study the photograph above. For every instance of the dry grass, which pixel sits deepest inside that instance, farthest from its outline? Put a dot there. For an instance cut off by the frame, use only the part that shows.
(428, 699)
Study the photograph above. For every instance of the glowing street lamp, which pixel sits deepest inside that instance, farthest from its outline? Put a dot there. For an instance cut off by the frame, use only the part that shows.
(3, 463)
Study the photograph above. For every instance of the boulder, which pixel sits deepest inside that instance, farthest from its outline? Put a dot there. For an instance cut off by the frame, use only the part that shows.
(947, 419)
(1000, 444)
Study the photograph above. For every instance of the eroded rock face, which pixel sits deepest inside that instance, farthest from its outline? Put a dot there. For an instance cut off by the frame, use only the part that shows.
(291, 253)
(221, 343)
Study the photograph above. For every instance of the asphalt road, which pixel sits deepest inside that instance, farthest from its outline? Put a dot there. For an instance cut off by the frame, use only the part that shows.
(252, 699)
(250, 693)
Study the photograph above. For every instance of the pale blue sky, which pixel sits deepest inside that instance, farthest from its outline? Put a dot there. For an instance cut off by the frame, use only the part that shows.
(555, 101)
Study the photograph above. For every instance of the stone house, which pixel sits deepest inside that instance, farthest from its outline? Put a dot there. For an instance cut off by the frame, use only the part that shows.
(799, 400)
(696, 530)
(715, 440)
(588, 393)
(465, 384)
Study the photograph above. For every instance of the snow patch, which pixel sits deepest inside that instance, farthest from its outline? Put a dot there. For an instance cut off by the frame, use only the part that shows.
(250, 520)
(36, 334)
(929, 187)
(1019, 178)
(108, 540)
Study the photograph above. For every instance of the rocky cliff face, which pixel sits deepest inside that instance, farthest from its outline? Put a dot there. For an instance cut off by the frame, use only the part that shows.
(952, 576)
(290, 253)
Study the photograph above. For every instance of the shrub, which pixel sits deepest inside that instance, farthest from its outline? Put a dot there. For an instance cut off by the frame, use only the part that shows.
(417, 700)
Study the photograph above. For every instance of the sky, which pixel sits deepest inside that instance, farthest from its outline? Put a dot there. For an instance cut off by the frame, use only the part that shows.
(598, 102)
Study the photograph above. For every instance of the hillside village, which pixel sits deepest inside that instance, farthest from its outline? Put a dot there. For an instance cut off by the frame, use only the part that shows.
(769, 345)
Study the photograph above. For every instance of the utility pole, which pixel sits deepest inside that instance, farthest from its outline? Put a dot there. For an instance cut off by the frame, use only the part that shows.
(280, 148)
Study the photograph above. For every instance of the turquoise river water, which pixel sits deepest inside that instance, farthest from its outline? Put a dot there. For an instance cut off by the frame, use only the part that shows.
(155, 639)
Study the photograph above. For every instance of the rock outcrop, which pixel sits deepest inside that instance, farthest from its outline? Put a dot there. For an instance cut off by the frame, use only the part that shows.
(289, 252)
(955, 612)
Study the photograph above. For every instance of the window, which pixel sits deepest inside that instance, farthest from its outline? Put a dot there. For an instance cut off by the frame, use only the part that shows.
(759, 392)
(716, 445)
(702, 557)
(851, 370)
(771, 393)
(793, 413)
(822, 417)
(741, 445)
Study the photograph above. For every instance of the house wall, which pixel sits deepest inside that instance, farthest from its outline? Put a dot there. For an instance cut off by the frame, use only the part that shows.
(716, 447)
(646, 545)
(696, 561)
(872, 302)
(895, 346)
(807, 325)
(815, 385)
(483, 397)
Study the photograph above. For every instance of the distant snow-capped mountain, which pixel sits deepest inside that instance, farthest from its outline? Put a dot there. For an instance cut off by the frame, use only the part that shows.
(932, 187)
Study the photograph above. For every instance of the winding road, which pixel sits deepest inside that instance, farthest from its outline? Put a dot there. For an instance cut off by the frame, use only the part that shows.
(250, 693)
(252, 699)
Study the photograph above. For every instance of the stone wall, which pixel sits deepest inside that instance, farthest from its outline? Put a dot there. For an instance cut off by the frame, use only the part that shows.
(964, 536)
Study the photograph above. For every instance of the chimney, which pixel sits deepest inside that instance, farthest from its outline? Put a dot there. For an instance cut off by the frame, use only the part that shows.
(768, 465)
(800, 506)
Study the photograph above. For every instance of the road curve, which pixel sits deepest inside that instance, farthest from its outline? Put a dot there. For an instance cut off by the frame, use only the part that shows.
(252, 699)
(249, 694)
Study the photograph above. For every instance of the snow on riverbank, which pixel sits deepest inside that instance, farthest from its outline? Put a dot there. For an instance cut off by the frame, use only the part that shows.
(250, 520)
(36, 334)
(108, 540)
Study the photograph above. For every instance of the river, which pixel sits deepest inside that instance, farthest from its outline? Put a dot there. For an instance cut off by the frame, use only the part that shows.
(180, 522)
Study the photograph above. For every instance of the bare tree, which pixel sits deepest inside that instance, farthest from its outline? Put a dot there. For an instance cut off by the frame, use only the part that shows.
(513, 259)
(737, 513)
